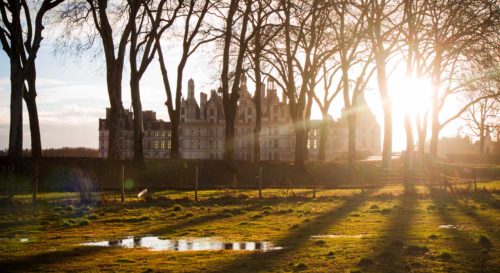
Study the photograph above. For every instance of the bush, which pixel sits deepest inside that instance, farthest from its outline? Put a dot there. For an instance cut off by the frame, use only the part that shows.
(85, 184)
(485, 242)
(417, 250)
(177, 208)
(365, 262)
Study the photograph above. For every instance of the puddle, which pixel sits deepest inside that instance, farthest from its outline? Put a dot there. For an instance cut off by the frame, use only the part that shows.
(188, 244)
(449, 227)
(23, 240)
(342, 236)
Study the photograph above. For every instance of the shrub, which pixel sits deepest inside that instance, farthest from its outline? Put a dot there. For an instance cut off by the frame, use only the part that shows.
(416, 250)
(365, 262)
(177, 208)
(85, 184)
(485, 242)
(446, 256)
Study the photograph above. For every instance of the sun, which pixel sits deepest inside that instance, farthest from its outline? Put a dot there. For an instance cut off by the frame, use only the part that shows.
(410, 95)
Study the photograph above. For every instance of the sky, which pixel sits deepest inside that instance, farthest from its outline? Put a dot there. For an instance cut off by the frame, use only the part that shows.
(72, 96)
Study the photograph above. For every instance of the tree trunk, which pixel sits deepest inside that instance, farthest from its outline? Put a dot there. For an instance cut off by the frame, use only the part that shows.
(300, 138)
(351, 144)
(114, 78)
(409, 148)
(138, 120)
(436, 82)
(258, 95)
(481, 139)
(387, 109)
(36, 143)
(16, 112)
(387, 149)
(323, 137)
(175, 144)
(229, 137)
(258, 119)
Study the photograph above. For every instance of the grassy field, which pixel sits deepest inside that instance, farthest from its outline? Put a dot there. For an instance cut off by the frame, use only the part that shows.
(378, 230)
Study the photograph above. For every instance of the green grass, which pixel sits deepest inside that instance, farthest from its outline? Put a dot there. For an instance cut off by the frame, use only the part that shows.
(379, 230)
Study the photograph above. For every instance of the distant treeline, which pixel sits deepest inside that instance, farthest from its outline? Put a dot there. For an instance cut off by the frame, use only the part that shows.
(62, 152)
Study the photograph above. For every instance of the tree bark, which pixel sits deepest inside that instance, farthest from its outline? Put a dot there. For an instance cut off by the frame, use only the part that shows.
(229, 136)
(409, 148)
(300, 138)
(175, 144)
(36, 143)
(138, 120)
(16, 112)
(323, 137)
(436, 82)
(387, 109)
(482, 136)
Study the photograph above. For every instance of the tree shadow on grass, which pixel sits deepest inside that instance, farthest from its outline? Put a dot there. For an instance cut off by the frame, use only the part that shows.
(476, 258)
(255, 205)
(390, 251)
(293, 241)
(34, 262)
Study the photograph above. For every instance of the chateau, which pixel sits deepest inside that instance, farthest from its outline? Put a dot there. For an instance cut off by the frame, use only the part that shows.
(202, 129)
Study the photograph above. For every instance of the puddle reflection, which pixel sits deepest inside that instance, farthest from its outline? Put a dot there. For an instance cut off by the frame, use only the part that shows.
(189, 244)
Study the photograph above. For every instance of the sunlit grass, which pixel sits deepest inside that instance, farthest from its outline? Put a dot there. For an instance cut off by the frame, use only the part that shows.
(379, 230)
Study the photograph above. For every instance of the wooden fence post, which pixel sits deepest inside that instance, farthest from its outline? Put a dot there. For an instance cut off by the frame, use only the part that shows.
(35, 183)
(474, 177)
(123, 183)
(260, 182)
(196, 186)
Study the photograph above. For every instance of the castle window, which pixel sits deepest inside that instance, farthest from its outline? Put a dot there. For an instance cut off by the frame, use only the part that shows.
(314, 144)
(156, 144)
(169, 144)
(249, 110)
(212, 112)
(163, 144)
(276, 143)
(183, 110)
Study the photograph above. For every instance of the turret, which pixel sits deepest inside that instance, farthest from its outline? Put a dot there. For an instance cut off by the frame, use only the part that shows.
(190, 89)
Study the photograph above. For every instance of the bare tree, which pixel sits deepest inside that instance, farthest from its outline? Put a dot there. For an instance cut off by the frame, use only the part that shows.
(263, 31)
(144, 25)
(355, 60)
(110, 22)
(195, 33)
(21, 37)
(482, 115)
(384, 29)
(231, 95)
(453, 29)
(296, 56)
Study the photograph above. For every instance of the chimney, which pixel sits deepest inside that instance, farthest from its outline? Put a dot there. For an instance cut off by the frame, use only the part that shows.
(203, 99)
(190, 89)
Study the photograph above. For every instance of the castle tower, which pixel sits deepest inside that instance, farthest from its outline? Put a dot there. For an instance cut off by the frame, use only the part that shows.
(190, 89)
(243, 84)
(270, 84)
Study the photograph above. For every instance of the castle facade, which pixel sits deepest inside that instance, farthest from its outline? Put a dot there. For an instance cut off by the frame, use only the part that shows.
(202, 127)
